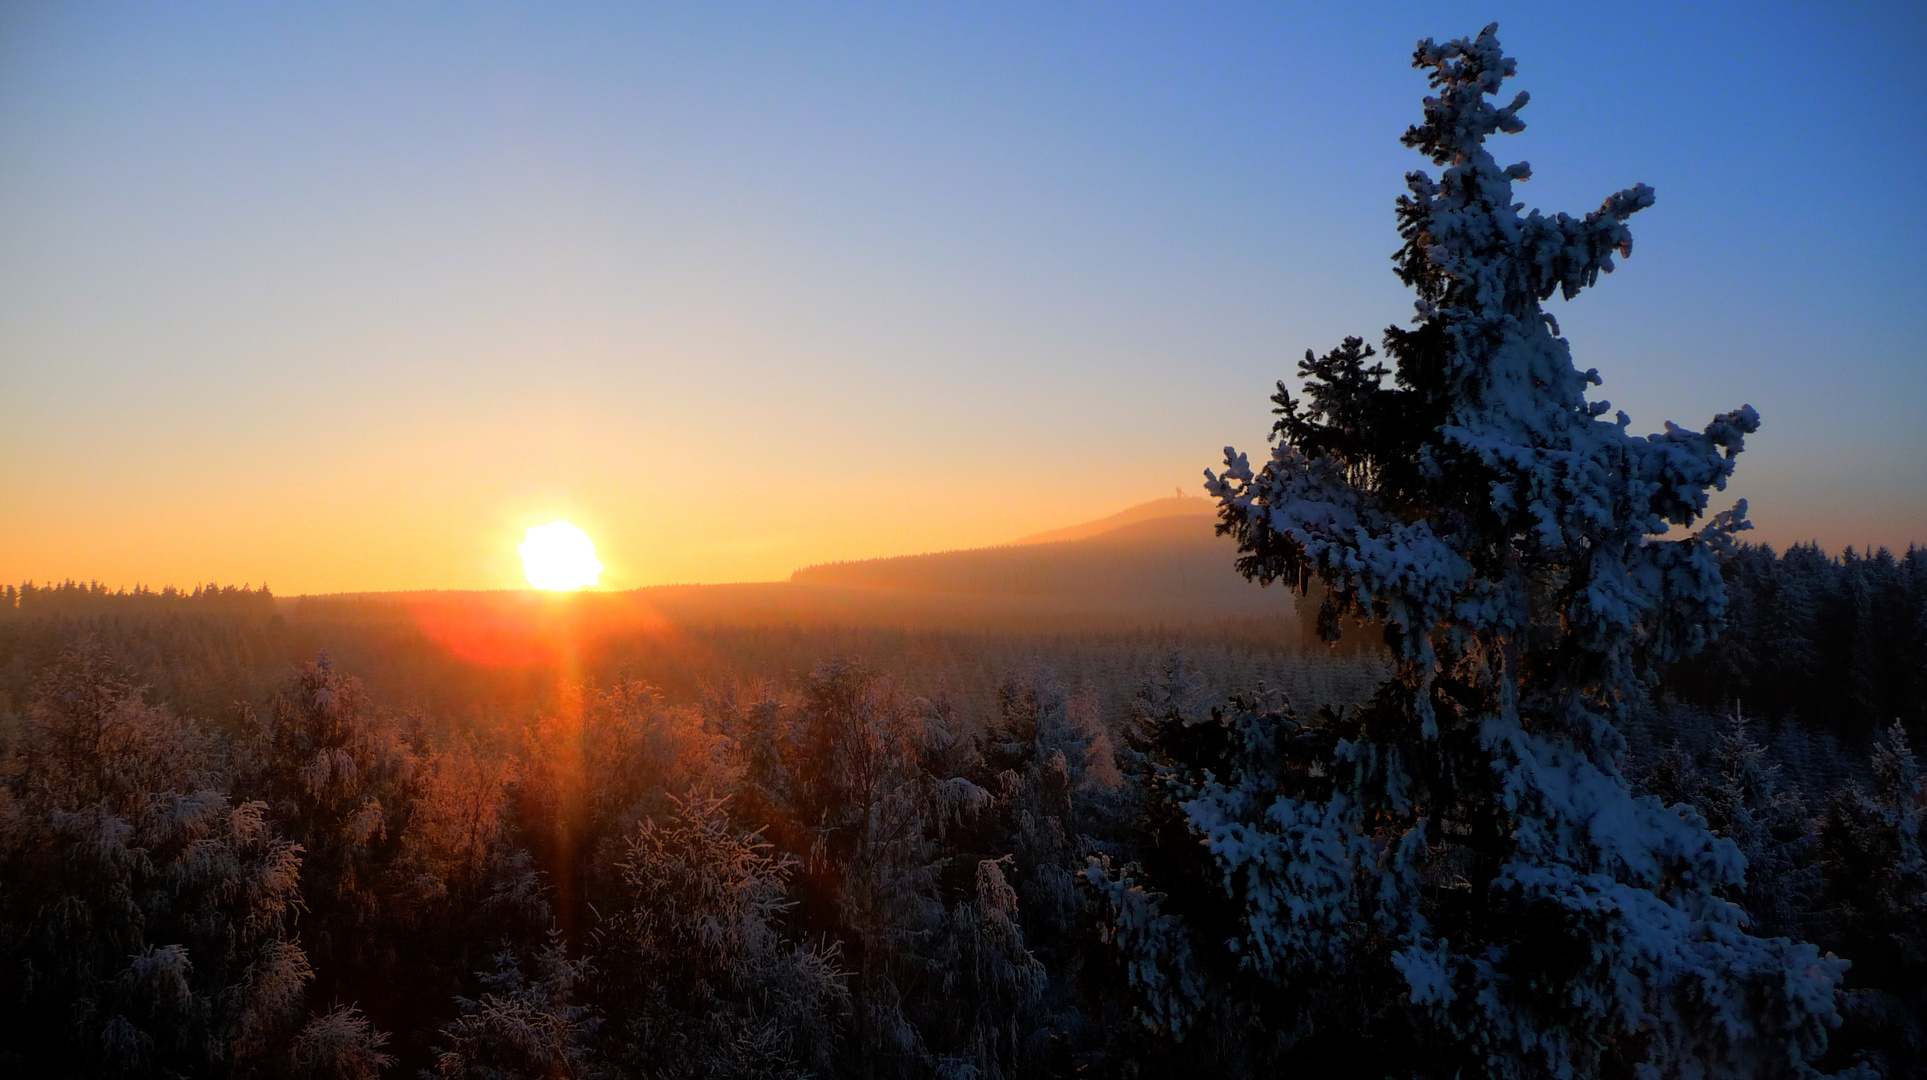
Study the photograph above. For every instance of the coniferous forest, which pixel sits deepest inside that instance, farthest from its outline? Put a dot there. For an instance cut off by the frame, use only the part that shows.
(1563, 778)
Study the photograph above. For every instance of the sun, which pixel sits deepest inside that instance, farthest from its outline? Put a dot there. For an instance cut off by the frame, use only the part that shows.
(560, 557)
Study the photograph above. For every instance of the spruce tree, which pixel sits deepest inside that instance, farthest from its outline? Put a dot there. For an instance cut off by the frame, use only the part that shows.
(1454, 878)
(1876, 908)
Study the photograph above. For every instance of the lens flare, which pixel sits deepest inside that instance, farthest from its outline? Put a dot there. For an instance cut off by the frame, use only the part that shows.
(560, 557)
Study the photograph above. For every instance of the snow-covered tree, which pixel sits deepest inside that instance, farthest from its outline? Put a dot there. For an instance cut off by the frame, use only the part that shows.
(697, 977)
(339, 1044)
(843, 780)
(1455, 878)
(592, 768)
(338, 778)
(525, 1026)
(1745, 802)
(992, 982)
(1876, 910)
(145, 920)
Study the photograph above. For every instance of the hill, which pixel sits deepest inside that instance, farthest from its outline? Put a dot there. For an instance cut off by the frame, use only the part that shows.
(1162, 556)
(1171, 506)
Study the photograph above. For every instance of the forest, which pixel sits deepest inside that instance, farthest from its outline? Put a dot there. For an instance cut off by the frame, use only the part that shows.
(1532, 789)
(221, 859)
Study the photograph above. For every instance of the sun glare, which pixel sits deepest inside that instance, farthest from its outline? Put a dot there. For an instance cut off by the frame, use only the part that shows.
(560, 557)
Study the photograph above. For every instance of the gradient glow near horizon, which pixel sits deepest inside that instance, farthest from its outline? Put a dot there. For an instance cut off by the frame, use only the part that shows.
(347, 297)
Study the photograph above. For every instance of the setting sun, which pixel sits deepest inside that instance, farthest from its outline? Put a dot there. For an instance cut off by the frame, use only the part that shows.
(560, 557)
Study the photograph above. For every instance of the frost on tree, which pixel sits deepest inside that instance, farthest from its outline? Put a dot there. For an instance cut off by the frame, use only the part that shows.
(1454, 878)
(146, 921)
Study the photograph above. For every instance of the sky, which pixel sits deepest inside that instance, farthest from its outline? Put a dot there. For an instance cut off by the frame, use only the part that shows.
(347, 296)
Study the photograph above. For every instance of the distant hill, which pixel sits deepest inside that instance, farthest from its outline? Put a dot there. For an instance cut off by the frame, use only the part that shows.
(1162, 556)
(1171, 506)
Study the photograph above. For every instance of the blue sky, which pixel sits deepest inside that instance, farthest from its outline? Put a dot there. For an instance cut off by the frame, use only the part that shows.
(346, 296)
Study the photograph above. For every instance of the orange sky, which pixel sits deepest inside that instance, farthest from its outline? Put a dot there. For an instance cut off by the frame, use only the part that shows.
(436, 515)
